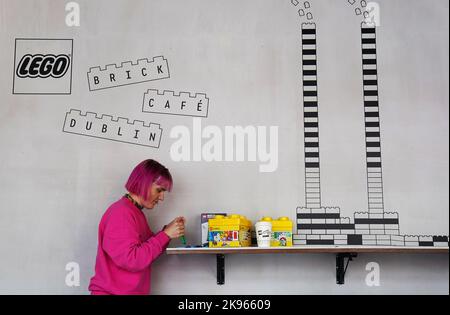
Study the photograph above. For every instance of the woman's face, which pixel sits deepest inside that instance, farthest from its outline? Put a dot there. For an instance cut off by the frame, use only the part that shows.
(156, 194)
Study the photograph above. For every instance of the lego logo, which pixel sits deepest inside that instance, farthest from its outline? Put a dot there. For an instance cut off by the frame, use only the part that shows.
(43, 66)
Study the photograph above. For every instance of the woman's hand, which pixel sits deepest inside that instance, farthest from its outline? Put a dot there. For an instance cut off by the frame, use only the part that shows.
(175, 228)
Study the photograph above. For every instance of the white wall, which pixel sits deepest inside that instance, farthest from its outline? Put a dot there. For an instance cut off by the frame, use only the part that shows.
(245, 55)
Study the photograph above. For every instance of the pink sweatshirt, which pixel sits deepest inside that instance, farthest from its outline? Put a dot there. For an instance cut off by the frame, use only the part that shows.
(126, 249)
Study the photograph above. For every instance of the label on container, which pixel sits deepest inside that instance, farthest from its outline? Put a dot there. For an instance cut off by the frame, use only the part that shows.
(281, 238)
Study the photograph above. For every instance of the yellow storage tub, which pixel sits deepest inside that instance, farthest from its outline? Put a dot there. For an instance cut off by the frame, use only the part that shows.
(281, 232)
(230, 231)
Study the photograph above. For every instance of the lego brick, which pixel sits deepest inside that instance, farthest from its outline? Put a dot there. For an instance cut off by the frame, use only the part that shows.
(333, 210)
(355, 240)
(443, 239)
(392, 226)
(312, 196)
(411, 238)
(309, 26)
(361, 215)
(375, 194)
(392, 232)
(128, 73)
(426, 244)
(398, 238)
(333, 231)
(425, 239)
(329, 218)
(344, 221)
(391, 215)
(382, 221)
(105, 127)
(376, 226)
(303, 210)
(170, 103)
(320, 242)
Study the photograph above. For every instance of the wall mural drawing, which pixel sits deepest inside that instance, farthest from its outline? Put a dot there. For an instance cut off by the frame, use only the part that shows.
(170, 103)
(318, 225)
(332, 114)
(128, 73)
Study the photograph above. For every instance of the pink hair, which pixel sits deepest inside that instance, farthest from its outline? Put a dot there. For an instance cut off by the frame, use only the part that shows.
(145, 174)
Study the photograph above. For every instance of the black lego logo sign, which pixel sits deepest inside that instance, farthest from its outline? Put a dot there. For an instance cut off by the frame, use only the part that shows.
(43, 66)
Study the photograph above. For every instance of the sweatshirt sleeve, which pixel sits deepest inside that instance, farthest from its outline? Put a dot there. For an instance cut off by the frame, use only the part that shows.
(162, 231)
(121, 242)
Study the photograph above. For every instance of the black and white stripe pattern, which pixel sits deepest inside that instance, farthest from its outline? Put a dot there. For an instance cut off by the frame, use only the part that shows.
(317, 225)
(372, 119)
(371, 240)
(311, 116)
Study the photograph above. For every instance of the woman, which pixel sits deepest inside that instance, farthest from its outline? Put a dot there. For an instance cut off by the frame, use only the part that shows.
(126, 245)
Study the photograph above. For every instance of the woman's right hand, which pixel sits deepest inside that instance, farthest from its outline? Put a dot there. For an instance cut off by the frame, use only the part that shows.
(175, 228)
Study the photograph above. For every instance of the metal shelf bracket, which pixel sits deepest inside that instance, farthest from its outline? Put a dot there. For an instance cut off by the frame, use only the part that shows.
(340, 269)
(220, 269)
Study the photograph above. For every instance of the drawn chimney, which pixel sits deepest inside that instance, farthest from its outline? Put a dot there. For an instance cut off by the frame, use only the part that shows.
(372, 119)
(311, 116)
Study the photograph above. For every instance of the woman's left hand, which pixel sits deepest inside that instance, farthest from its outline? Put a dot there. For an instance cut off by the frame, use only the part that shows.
(175, 228)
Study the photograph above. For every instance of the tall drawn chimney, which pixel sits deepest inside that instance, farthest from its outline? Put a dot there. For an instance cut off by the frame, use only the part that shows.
(311, 116)
(372, 119)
